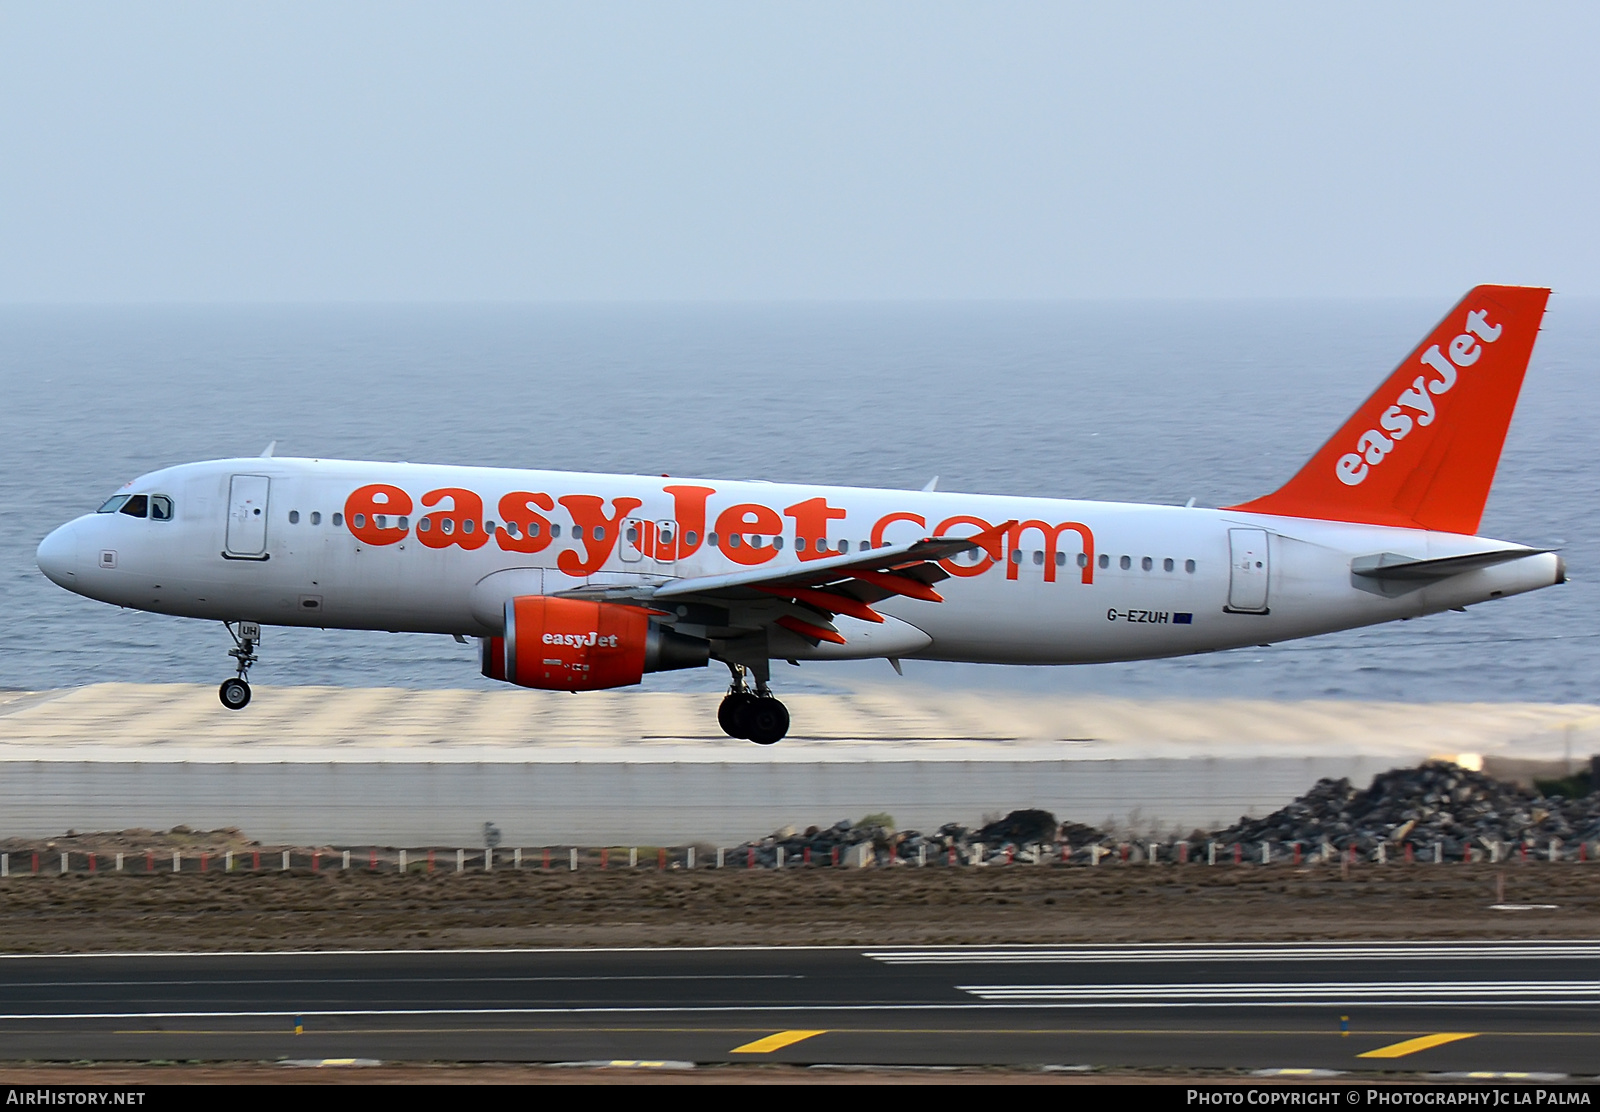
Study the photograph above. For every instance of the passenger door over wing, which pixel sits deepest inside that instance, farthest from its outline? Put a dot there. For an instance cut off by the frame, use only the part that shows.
(1250, 571)
(247, 516)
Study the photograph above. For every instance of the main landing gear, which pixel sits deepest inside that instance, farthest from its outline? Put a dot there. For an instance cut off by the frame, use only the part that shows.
(235, 693)
(756, 716)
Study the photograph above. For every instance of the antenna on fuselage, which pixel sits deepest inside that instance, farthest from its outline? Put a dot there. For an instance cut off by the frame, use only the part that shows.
(266, 453)
(931, 484)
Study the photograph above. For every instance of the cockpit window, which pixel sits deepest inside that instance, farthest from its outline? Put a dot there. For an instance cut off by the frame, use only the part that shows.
(137, 506)
(113, 504)
(160, 507)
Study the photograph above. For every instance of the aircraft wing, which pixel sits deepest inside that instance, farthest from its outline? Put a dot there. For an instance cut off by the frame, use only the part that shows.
(848, 583)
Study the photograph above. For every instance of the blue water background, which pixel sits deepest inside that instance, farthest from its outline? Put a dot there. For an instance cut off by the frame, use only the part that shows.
(1132, 401)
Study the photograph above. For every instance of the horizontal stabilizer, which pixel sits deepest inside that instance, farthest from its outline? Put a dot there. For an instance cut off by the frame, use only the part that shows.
(1394, 575)
(1393, 567)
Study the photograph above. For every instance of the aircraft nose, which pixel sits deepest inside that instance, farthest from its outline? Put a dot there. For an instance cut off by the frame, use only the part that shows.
(58, 556)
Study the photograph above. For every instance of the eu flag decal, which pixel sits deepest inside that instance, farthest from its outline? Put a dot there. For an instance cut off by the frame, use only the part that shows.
(1182, 619)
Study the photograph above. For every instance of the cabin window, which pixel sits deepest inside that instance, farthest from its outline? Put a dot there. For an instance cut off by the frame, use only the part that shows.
(1188, 566)
(632, 535)
(1061, 559)
(294, 517)
(691, 538)
(844, 546)
(555, 531)
(424, 525)
(1166, 565)
(359, 521)
(511, 527)
(469, 526)
(338, 520)
(113, 504)
(799, 544)
(711, 539)
(1105, 561)
(1016, 555)
(777, 542)
(757, 540)
(381, 520)
(1083, 559)
(1125, 563)
(1038, 558)
(734, 540)
(447, 525)
(160, 508)
(488, 527)
(316, 518)
(137, 506)
(533, 528)
(599, 532)
(403, 522)
(1147, 563)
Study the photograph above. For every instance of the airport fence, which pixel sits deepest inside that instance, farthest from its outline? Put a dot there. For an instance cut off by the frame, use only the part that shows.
(570, 858)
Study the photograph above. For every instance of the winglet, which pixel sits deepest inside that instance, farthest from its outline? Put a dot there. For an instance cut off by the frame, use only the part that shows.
(1421, 452)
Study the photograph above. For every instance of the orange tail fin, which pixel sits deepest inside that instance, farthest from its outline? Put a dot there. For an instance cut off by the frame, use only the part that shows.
(1422, 451)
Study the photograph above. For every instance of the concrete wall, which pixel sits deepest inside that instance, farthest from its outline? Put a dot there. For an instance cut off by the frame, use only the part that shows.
(418, 804)
(414, 768)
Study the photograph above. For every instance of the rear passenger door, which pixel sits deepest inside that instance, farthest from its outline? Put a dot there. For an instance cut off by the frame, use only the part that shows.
(1250, 571)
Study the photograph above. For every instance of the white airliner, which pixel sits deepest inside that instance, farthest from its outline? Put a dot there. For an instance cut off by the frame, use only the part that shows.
(576, 581)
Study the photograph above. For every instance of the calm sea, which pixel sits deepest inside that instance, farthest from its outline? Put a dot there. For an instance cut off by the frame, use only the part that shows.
(1150, 402)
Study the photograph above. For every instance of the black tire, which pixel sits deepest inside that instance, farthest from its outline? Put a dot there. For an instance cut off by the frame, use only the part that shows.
(234, 693)
(728, 712)
(764, 721)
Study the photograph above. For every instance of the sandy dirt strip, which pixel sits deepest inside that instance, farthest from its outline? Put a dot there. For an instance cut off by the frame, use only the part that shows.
(905, 906)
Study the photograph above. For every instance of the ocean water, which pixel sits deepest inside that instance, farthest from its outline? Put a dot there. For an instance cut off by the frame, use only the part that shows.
(1146, 402)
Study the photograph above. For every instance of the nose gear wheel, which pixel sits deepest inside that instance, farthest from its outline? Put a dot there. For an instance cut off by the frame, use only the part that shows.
(235, 693)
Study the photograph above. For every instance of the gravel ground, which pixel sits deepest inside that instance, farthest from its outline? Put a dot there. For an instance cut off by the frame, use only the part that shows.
(904, 906)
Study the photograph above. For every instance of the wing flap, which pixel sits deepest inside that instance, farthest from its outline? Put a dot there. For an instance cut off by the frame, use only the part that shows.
(848, 583)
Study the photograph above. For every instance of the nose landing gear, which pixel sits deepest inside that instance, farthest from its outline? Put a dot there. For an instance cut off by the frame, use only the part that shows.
(235, 693)
(756, 716)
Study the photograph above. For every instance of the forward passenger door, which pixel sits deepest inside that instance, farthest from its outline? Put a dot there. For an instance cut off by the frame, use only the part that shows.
(247, 517)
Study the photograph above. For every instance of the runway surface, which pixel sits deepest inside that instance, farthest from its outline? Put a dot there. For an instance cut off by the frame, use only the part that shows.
(1417, 1007)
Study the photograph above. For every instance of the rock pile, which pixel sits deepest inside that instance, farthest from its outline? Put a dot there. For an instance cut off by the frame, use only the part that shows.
(1437, 803)
(1018, 831)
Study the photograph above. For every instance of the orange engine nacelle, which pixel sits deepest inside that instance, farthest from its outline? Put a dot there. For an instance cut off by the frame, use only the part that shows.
(566, 644)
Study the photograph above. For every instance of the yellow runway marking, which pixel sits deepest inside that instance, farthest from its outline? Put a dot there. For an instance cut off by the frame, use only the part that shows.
(1411, 1046)
(775, 1042)
(630, 1029)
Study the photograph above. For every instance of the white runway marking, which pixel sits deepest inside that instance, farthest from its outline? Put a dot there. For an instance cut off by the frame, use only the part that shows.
(1400, 993)
(1405, 951)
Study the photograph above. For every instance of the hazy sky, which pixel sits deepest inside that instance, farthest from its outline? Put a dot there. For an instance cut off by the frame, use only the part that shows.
(523, 151)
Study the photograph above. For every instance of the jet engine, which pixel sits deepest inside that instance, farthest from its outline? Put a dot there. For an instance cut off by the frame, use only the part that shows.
(564, 644)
